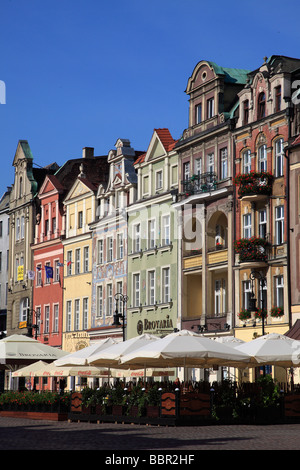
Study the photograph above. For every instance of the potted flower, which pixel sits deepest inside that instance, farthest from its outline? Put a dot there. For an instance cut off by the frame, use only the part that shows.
(244, 314)
(261, 313)
(276, 312)
(219, 245)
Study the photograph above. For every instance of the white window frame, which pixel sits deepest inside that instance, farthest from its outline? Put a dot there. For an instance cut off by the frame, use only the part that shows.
(186, 170)
(76, 314)
(99, 301)
(151, 286)
(166, 229)
(136, 235)
(69, 262)
(246, 160)
(120, 245)
(198, 113)
(224, 163)
(136, 284)
(77, 260)
(279, 156)
(151, 234)
(210, 106)
(109, 300)
(262, 223)
(55, 318)
(279, 291)
(86, 258)
(109, 241)
(159, 179)
(100, 251)
(262, 158)
(247, 225)
(85, 312)
(24, 307)
(211, 162)
(46, 319)
(69, 315)
(247, 291)
(279, 225)
(119, 290)
(166, 286)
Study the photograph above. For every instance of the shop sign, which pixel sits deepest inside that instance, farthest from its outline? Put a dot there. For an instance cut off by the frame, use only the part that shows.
(154, 326)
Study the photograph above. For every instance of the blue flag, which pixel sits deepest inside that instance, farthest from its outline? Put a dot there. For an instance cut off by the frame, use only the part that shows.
(49, 271)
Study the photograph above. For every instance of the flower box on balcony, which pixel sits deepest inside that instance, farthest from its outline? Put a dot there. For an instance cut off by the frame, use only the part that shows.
(254, 184)
(244, 315)
(252, 249)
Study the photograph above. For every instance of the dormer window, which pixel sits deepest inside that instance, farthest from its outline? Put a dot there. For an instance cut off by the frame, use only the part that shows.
(261, 111)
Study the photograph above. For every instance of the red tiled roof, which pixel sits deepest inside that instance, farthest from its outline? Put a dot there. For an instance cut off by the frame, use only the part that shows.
(165, 138)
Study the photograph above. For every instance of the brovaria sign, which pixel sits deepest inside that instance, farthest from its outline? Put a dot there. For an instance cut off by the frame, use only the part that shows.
(154, 325)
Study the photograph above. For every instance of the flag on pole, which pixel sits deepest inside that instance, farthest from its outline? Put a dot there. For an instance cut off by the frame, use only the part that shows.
(60, 264)
(49, 272)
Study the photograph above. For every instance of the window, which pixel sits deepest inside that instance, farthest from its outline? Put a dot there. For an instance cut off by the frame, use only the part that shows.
(279, 154)
(279, 225)
(69, 263)
(224, 163)
(38, 319)
(245, 112)
(159, 180)
(109, 249)
(165, 230)
(100, 301)
(85, 311)
(166, 285)
(47, 278)
(18, 229)
(55, 318)
(262, 223)
(174, 174)
(22, 227)
(186, 170)
(277, 99)
(80, 219)
(246, 294)
(198, 113)
(46, 319)
(56, 271)
(69, 315)
(120, 245)
(210, 108)
(24, 306)
(100, 251)
(279, 291)
(210, 163)
(145, 184)
(38, 275)
(53, 224)
(77, 315)
(262, 158)
(151, 234)
(246, 161)
(77, 261)
(220, 296)
(247, 229)
(136, 290)
(136, 237)
(119, 301)
(198, 166)
(109, 310)
(86, 259)
(151, 287)
(261, 110)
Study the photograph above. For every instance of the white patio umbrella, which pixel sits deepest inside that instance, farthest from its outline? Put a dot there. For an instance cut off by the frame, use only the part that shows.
(228, 340)
(272, 349)
(80, 358)
(20, 349)
(51, 370)
(28, 371)
(111, 356)
(186, 349)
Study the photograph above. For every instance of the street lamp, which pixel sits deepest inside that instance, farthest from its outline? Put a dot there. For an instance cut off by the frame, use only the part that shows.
(117, 315)
(31, 326)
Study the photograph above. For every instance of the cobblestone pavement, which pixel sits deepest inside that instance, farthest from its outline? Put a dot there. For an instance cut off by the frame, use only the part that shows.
(26, 434)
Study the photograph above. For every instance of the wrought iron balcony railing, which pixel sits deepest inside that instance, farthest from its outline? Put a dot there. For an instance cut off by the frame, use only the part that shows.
(202, 183)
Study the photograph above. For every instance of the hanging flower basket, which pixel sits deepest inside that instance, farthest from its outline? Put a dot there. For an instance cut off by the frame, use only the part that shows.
(244, 314)
(276, 312)
(261, 313)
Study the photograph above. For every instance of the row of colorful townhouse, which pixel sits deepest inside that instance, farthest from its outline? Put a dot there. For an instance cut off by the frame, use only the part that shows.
(197, 233)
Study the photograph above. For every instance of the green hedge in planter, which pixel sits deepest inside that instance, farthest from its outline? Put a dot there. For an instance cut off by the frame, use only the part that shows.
(34, 400)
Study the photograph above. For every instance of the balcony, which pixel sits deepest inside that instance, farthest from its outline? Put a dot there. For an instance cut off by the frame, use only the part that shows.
(253, 252)
(254, 186)
(202, 183)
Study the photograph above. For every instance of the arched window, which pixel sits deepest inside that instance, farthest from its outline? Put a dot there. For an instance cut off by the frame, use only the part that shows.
(261, 105)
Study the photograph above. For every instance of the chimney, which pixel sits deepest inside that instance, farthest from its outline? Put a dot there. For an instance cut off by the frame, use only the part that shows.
(88, 152)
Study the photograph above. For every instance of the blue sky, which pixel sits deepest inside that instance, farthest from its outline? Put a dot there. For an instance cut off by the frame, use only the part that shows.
(87, 72)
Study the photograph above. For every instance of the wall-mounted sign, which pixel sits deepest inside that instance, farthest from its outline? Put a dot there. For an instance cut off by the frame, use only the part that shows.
(154, 326)
(23, 324)
(21, 273)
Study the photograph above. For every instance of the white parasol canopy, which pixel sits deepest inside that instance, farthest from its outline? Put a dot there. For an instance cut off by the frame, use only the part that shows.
(111, 356)
(28, 371)
(51, 370)
(20, 349)
(186, 349)
(80, 358)
(272, 349)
